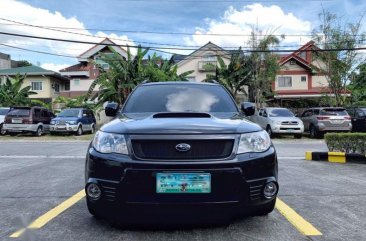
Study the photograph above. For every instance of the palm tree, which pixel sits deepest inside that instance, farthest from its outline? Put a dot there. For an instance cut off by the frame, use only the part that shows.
(12, 93)
(234, 76)
(125, 74)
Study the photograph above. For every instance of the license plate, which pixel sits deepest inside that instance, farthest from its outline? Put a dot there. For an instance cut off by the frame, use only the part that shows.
(17, 121)
(61, 127)
(290, 130)
(183, 182)
(336, 121)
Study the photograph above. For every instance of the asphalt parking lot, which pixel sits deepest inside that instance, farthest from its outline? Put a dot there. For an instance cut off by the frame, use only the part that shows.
(38, 176)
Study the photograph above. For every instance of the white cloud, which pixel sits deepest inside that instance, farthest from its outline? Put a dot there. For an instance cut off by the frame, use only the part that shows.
(271, 19)
(54, 67)
(25, 13)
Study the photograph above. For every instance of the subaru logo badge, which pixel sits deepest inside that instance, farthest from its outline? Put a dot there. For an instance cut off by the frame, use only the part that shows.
(183, 147)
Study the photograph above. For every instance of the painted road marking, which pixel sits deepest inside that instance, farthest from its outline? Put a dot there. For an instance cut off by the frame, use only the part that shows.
(47, 217)
(296, 220)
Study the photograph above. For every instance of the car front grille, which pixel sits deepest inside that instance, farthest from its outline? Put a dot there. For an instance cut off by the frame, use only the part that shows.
(289, 123)
(166, 149)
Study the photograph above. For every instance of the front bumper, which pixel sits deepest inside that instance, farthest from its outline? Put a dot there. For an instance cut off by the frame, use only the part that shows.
(64, 128)
(288, 129)
(236, 185)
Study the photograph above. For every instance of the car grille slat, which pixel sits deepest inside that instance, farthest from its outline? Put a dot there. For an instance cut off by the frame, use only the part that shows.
(165, 149)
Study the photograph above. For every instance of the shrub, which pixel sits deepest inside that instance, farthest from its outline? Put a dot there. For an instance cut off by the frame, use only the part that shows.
(346, 142)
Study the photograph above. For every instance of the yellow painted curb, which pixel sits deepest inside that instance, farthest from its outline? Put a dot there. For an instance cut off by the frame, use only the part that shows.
(309, 155)
(337, 157)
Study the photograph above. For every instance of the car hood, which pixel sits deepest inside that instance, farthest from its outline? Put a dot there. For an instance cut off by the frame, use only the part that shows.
(65, 119)
(143, 124)
(286, 119)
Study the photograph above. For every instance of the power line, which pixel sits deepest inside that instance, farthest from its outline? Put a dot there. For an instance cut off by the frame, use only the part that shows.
(37, 51)
(156, 47)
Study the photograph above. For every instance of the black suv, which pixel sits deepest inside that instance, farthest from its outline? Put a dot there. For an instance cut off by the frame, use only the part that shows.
(358, 118)
(180, 149)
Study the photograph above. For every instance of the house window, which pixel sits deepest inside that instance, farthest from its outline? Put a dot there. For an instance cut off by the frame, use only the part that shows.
(56, 87)
(67, 86)
(105, 66)
(284, 81)
(37, 85)
(77, 82)
(191, 78)
(303, 78)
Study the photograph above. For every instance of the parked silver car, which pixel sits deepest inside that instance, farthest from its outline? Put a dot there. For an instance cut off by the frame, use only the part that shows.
(279, 121)
(3, 112)
(325, 119)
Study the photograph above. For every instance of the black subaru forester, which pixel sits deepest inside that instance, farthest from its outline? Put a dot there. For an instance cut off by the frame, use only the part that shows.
(180, 149)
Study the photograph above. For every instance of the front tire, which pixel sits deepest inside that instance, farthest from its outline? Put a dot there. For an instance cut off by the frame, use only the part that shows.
(79, 131)
(298, 136)
(2, 131)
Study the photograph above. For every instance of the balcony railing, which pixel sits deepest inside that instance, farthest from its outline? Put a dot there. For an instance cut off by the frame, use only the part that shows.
(207, 66)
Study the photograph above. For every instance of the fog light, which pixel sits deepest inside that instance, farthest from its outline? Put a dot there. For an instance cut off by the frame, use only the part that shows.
(270, 190)
(93, 191)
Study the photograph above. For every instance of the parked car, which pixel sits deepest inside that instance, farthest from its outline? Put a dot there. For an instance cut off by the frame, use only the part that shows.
(320, 120)
(3, 112)
(28, 119)
(358, 118)
(180, 149)
(278, 121)
(74, 120)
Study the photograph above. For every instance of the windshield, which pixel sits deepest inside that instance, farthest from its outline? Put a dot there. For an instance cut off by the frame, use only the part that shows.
(334, 112)
(180, 98)
(4, 111)
(19, 112)
(69, 113)
(280, 113)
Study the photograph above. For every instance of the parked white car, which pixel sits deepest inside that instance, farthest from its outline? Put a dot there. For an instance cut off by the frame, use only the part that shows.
(279, 121)
(3, 112)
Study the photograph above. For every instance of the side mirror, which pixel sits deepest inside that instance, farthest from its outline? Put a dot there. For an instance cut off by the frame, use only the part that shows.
(265, 115)
(111, 109)
(248, 108)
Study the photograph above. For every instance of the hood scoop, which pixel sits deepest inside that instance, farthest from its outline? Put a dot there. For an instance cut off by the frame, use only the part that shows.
(181, 115)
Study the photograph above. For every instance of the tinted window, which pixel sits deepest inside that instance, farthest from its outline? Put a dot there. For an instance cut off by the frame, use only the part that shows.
(19, 112)
(307, 113)
(361, 113)
(280, 113)
(351, 112)
(69, 113)
(37, 112)
(180, 98)
(4, 111)
(336, 112)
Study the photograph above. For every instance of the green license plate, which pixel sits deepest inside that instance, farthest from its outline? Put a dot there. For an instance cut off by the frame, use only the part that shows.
(183, 182)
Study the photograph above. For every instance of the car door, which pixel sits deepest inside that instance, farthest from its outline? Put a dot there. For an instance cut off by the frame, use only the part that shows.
(259, 120)
(360, 120)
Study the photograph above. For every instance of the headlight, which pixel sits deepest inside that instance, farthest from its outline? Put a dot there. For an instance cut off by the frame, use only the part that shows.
(71, 122)
(254, 142)
(275, 122)
(107, 143)
(52, 122)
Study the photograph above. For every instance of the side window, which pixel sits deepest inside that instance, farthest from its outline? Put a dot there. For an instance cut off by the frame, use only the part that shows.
(261, 112)
(316, 112)
(351, 112)
(37, 113)
(307, 113)
(360, 113)
(85, 114)
(264, 113)
(45, 113)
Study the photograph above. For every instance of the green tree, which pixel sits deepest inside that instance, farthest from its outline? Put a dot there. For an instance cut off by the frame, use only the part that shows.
(264, 65)
(124, 74)
(12, 93)
(342, 38)
(23, 63)
(234, 76)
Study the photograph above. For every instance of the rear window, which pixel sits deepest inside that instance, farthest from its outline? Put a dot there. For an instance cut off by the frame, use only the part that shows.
(4, 111)
(335, 112)
(180, 98)
(19, 112)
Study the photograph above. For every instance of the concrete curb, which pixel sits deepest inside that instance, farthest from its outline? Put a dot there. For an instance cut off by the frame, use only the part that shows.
(335, 157)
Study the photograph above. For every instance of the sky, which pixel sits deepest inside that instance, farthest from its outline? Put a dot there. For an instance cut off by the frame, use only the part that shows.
(130, 22)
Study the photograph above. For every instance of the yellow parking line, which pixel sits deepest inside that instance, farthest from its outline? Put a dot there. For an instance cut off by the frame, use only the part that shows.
(45, 218)
(295, 219)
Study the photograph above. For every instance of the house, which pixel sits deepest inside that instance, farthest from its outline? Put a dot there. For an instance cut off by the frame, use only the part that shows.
(7, 63)
(301, 75)
(202, 61)
(83, 74)
(48, 84)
